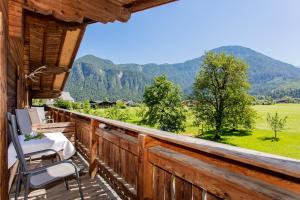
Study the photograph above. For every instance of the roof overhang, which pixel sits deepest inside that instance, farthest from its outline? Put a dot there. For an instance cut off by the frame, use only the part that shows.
(53, 31)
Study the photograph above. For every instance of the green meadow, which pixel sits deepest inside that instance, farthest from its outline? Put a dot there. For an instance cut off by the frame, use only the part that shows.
(261, 138)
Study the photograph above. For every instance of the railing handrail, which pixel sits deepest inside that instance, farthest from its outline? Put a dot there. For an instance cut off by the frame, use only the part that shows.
(275, 163)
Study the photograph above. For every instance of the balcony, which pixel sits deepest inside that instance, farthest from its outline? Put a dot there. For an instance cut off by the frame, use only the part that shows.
(132, 161)
(144, 163)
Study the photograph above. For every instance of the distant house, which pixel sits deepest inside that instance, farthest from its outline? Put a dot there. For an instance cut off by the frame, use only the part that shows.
(66, 96)
(102, 104)
(282, 101)
(130, 103)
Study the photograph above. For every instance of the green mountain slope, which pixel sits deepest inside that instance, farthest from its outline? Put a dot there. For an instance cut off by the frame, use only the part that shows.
(96, 78)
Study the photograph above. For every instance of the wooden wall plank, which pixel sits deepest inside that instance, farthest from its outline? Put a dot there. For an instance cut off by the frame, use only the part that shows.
(3, 98)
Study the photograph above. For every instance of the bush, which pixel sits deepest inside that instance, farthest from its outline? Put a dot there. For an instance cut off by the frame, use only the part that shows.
(86, 106)
(116, 114)
(64, 104)
(38, 102)
(141, 111)
(121, 104)
(76, 105)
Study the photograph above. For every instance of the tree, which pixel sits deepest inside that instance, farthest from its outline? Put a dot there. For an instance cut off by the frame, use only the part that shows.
(221, 92)
(163, 99)
(276, 123)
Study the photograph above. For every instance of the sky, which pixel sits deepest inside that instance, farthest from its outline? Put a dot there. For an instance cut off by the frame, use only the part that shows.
(185, 29)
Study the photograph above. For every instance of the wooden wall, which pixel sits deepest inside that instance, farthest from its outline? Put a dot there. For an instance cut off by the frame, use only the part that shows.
(15, 82)
(3, 90)
(11, 88)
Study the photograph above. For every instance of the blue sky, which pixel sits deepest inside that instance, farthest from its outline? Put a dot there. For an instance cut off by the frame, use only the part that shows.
(185, 29)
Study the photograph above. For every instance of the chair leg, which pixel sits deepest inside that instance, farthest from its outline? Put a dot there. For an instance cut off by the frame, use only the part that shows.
(18, 184)
(79, 185)
(26, 188)
(67, 184)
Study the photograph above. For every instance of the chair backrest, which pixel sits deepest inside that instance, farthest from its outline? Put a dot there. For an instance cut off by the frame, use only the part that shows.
(34, 116)
(23, 120)
(15, 140)
(41, 113)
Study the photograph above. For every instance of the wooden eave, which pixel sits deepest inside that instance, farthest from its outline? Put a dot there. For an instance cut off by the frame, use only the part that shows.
(53, 31)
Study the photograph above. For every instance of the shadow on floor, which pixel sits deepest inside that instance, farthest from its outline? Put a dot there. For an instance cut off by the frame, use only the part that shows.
(92, 188)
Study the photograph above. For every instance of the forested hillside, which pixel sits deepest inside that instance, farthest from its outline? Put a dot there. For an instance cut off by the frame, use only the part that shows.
(97, 79)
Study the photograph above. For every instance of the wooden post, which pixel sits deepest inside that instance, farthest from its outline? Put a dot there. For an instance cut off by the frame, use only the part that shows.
(145, 168)
(3, 99)
(64, 116)
(56, 119)
(93, 149)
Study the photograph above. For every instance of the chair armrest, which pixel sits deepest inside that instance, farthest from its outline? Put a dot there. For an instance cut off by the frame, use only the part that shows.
(44, 151)
(41, 169)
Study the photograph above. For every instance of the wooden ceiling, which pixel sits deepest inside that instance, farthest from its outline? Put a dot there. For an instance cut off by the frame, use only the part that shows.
(53, 31)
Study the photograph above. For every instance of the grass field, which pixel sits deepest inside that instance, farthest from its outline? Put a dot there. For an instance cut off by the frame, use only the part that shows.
(261, 138)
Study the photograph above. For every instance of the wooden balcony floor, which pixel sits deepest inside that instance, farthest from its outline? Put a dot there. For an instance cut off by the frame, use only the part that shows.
(92, 188)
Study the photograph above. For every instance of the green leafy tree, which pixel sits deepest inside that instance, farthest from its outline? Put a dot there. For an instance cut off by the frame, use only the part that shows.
(221, 92)
(163, 100)
(276, 123)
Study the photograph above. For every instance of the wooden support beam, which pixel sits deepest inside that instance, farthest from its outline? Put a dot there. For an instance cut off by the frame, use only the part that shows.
(146, 4)
(3, 98)
(66, 10)
(82, 31)
(52, 69)
(45, 94)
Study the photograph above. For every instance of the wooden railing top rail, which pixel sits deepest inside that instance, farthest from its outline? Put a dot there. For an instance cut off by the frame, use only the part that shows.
(279, 164)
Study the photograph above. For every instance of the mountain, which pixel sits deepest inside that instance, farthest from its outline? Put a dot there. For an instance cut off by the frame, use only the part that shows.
(95, 78)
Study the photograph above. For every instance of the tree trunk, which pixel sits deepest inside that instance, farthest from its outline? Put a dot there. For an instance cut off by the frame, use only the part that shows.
(218, 128)
(219, 121)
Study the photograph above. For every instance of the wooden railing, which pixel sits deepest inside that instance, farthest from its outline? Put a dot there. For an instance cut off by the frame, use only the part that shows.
(144, 163)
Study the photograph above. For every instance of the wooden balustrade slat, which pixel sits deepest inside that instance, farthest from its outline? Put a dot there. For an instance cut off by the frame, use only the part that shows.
(179, 195)
(187, 190)
(197, 193)
(168, 182)
(158, 182)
